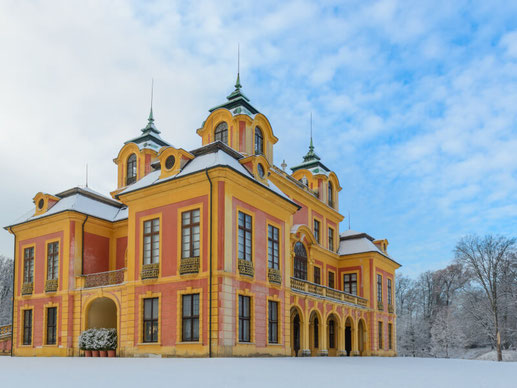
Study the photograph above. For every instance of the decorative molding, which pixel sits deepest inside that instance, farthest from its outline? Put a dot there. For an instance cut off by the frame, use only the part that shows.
(189, 265)
(274, 275)
(246, 268)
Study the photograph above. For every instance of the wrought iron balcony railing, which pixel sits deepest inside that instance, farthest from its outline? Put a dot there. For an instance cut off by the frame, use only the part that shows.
(104, 279)
(326, 292)
(189, 265)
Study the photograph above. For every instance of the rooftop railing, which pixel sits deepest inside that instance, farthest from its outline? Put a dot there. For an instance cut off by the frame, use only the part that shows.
(326, 292)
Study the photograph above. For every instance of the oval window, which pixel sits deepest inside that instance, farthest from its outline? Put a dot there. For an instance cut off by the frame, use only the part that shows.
(41, 202)
(260, 170)
(169, 162)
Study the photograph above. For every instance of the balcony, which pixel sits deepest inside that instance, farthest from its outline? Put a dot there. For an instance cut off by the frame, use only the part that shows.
(391, 309)
(104, 279)
(274, 276)
(51, 285)
(380, 305)
(150, 271)
(189, 265)
(326, 292)
(246, 268)
(5, 331)
(27, 288)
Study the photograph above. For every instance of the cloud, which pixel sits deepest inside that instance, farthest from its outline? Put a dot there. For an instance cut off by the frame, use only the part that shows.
(413, 103)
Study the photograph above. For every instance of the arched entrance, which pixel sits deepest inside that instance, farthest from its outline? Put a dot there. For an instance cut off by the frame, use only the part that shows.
(300, 261)
(296, 325)
(361, 337)
(332, 335)
(101, 313)
(314, 333)
(349, 325)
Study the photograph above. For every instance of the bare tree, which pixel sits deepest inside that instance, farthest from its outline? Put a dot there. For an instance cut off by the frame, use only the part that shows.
(6, 289)
(488, 258)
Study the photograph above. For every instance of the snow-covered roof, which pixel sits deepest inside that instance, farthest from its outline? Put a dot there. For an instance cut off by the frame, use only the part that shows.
(352, 242)
(219, 155)
(83, 200)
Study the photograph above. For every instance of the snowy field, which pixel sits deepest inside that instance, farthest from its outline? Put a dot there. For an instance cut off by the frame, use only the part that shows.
(255, 372)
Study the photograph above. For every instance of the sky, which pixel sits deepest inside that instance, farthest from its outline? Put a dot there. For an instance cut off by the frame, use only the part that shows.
(414, 104)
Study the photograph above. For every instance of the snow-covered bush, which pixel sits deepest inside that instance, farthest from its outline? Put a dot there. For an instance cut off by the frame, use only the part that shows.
(98, 339)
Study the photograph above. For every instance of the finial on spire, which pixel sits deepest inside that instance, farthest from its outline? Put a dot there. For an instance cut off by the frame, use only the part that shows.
(151, 117)
(311, 146)
(238, 82)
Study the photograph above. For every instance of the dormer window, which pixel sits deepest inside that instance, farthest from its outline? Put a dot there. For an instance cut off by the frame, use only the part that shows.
(330, 195)
(304, 181)
(221, 133)
(131, 170)
(259, 142)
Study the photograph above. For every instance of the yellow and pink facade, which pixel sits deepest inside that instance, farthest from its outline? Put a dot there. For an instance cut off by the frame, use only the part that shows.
(209, 252)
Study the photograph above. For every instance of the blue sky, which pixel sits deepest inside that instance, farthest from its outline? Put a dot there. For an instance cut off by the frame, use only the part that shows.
(414, 103)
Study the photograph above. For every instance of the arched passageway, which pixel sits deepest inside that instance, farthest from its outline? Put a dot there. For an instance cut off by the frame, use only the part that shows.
(296, 333)
(349, 331)
(332, 335)
(361, 337)
(101, 313)
(314, 333)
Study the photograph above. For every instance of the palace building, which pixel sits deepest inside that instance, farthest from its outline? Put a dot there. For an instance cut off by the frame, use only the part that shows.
(213, 251)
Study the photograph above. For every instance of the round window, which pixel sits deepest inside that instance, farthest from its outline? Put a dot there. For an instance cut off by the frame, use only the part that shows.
(41, 202)
(260, 170)
(169, 162)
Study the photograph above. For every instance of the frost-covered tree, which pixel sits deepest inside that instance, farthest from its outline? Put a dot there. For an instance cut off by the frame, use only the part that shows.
(490, 260)
(6, 289)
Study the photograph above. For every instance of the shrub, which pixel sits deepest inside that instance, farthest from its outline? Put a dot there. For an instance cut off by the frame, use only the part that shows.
(98, 339)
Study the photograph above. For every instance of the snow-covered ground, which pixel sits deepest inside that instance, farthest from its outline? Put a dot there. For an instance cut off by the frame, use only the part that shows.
(255, 372)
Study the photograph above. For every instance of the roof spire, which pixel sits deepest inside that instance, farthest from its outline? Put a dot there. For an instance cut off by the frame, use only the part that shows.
(238, 82)
(151, 117)
(150, 120)
(311, 155)
(311, 146)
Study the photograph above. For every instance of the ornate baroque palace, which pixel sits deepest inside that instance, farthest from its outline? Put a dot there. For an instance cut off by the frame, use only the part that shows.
(209, 252)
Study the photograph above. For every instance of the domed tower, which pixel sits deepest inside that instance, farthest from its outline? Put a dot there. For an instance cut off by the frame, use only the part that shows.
(240, 125)
(135, 157)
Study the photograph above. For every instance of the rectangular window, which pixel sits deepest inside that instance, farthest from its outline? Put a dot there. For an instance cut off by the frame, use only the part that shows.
(190, 314)
(331, 280)
(245, 231)
(273, 322)
(28, 265)
(52, 260)
(317, 275)
(380, 335)
(273, 247)
(190, 234)
(389, 292)
(27, 327)
(151, 241)
(51, 325)
(350, 283)
(390, 338)
(151, 320)
(331, 239)
(244, 318)
(317, 230)
(379, 288)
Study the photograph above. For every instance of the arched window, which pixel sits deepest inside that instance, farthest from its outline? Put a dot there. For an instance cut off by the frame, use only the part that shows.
(131, 170)
(331, 195)
(259, 142)
(300, 261)
(221, 133)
